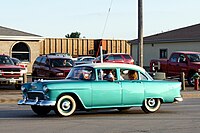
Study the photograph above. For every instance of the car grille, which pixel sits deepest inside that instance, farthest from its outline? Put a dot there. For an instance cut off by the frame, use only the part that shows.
(35, 95)
(11, 72)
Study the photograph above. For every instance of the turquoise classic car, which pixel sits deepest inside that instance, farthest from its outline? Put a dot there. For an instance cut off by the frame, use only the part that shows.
(88, 87)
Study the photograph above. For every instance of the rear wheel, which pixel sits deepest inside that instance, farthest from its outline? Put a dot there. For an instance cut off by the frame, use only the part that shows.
(41, 110)
(65, 106)
(151, 105)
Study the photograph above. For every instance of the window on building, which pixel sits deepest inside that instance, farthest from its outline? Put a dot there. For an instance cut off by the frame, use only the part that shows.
(163, 53)
(21, 51)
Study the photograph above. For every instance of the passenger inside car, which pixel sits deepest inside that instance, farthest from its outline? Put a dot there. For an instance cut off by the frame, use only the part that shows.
(108, 75)
(133, 75)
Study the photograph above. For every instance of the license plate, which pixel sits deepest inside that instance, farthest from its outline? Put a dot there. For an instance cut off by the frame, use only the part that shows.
(12, 80)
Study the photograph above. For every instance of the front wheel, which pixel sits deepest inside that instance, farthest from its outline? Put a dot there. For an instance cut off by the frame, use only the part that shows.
(151, 105)
(41, 110)
(65, 106)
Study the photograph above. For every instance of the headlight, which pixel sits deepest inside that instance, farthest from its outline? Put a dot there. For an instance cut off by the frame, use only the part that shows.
(23, 89)
(45, 89)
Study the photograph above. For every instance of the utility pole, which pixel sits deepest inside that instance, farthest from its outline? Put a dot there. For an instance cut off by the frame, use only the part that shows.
(140, 33)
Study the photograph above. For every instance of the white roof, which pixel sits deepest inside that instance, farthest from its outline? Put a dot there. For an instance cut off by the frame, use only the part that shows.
(114, 65)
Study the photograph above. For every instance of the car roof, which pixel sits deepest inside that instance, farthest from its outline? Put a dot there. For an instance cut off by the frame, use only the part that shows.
(85, 57)
(55, 57)
(187, 52)
(113, 65)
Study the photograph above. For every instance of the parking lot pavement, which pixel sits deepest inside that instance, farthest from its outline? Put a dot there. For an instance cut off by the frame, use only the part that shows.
(13, 96)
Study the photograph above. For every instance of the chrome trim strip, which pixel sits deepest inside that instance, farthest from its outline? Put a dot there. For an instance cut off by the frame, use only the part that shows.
(37, 102)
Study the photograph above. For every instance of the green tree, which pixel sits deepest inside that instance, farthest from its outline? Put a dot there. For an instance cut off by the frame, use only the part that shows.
(73, 35)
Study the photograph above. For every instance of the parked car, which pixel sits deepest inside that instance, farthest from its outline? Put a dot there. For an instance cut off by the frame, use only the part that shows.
(179, 61)
(17, 62)
(86, 88)
(51, 67)
(9, 73)
(84, 60)
(115, 58)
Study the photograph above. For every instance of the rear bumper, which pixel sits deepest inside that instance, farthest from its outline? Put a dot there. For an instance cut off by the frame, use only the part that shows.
(178, 99)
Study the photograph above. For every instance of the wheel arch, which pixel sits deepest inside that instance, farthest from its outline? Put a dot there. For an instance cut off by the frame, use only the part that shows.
(77, 99)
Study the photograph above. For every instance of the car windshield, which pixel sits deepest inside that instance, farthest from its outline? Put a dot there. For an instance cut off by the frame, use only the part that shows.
(61, 62)
(194, 57)
(81, 73)
(6, 60)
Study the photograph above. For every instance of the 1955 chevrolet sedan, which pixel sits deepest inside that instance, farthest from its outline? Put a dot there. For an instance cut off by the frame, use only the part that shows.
(88, 87)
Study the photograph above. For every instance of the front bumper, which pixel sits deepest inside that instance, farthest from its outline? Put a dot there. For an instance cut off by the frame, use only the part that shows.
(11, 80)
(37, 102)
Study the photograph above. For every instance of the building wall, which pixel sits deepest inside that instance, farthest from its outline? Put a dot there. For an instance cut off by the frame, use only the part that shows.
(80, 47)
(152, 51)
(34, 46)
(75, 47)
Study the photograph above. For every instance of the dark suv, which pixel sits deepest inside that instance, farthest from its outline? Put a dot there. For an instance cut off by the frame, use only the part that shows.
(51, 67)
(116, 58)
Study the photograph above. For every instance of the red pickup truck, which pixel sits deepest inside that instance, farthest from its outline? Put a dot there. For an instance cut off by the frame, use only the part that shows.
(10, 73)
(179, 61)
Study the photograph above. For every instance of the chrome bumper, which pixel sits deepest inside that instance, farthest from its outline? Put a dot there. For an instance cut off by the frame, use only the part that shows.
(178, 99)
(38, 103)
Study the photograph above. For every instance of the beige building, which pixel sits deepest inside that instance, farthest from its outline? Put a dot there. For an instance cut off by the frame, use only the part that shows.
(160, 46)
(27, 47)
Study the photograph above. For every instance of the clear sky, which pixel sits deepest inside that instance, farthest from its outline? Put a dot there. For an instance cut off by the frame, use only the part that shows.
(56, 18)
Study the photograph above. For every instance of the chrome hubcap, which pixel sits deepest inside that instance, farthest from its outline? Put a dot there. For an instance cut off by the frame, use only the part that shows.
(151, 102)
(66, 105)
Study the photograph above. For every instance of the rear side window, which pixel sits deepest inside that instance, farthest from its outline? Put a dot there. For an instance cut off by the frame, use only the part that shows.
(127, 56)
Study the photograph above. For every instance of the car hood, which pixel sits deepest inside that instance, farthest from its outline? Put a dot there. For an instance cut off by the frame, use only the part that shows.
(52, 84)
(10, 66)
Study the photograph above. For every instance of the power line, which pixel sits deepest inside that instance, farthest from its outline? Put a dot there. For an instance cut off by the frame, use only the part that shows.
(107, 18)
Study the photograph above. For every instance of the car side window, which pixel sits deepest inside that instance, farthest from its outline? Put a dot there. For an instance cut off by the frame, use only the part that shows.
(118, 57)
(107, 74)
(174, 58)
(111, 57)
(143, 77)
(126, 74)
(127, 56)
(182, 58)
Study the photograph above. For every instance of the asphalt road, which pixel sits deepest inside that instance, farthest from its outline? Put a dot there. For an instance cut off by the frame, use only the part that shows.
(171, 118)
